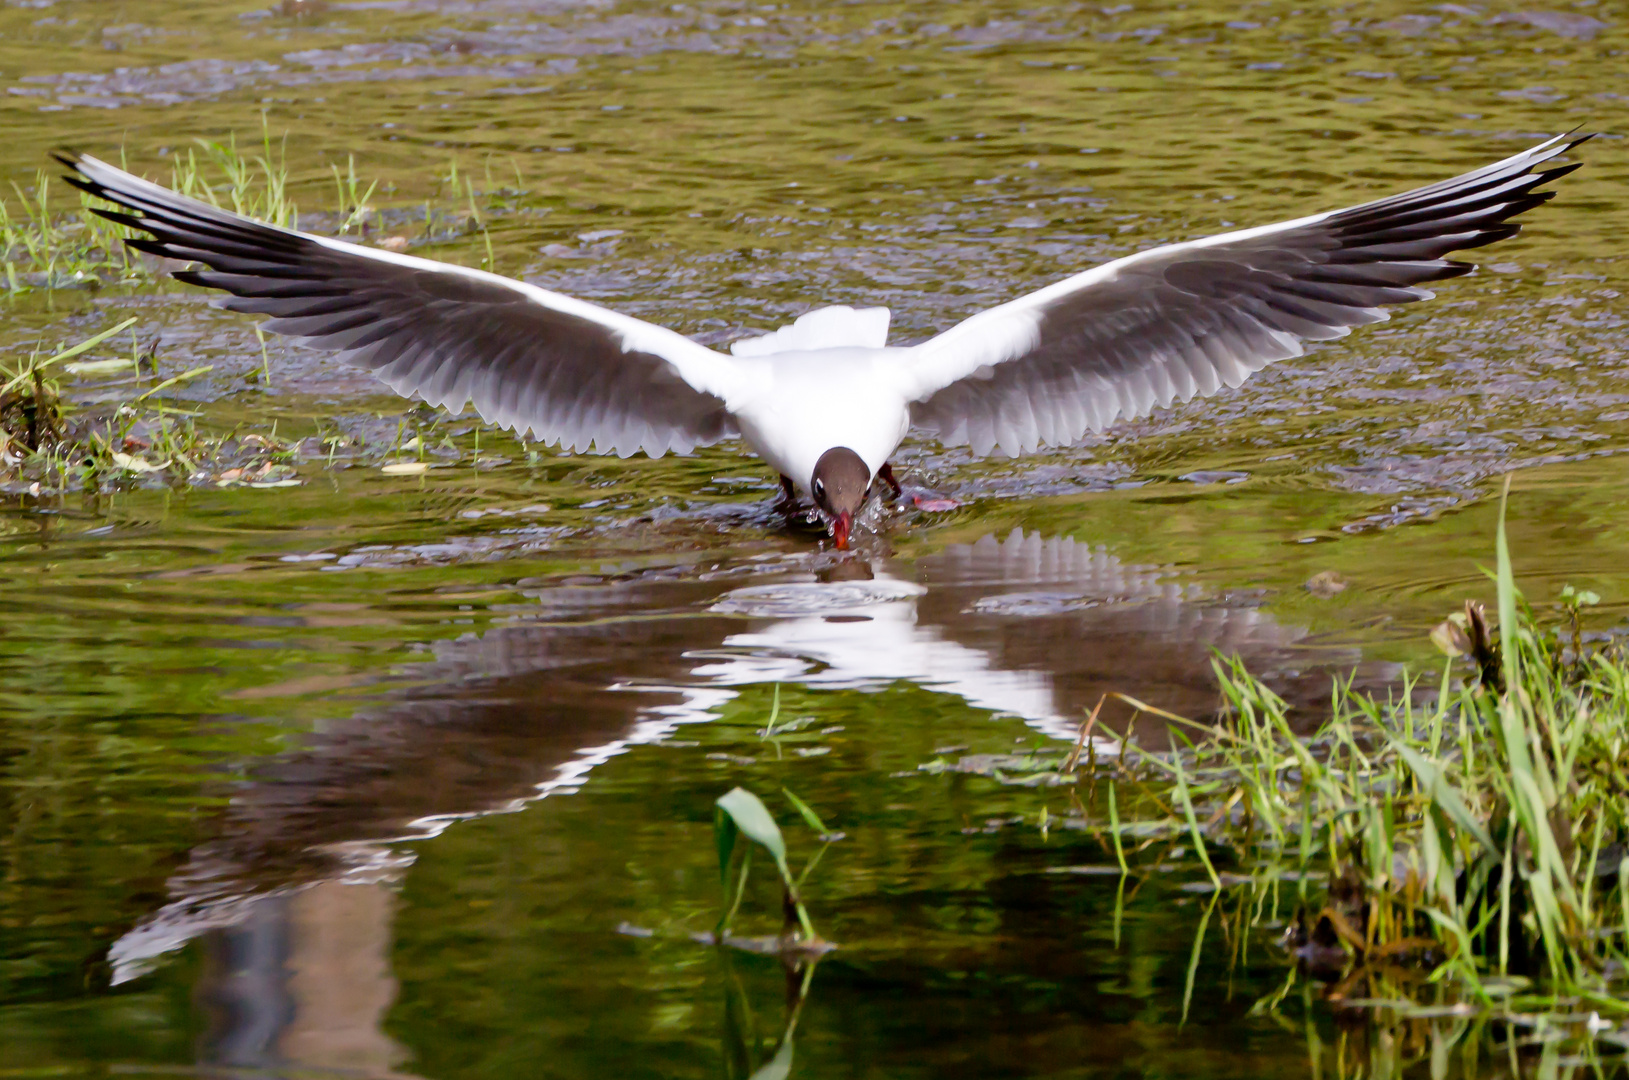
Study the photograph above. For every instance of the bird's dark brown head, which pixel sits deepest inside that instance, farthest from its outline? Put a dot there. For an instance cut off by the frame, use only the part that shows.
(839, 485)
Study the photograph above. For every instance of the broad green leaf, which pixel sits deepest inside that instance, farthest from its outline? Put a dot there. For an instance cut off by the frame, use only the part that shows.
(751, 817)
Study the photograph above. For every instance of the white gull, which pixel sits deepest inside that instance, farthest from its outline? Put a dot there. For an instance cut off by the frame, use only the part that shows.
(826, 401)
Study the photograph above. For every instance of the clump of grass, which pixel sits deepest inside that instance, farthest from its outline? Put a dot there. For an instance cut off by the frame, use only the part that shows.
(44, 247)
(43, 438)
(1472, 850)
(32, 414)
(353, 198)
(254, 186)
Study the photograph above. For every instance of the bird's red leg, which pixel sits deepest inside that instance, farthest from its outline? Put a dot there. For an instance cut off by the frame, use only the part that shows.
(886, 474)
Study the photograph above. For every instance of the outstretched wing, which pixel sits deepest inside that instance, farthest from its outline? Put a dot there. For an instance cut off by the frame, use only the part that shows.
(529, 359)
(1167, 324)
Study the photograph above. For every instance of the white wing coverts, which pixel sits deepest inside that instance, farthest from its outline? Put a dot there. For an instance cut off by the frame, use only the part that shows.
(529, 359)
(1186, 319)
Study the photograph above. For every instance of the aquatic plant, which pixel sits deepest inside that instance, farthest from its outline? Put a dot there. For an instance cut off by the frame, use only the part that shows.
(353, 198)
(32, 416)
(255, 186)
(1462, 850)
(739, 813)
(133, 434)
(44, 438)
(43, 247)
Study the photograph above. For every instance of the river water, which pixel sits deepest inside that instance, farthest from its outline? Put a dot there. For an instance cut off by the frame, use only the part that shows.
(395, 776)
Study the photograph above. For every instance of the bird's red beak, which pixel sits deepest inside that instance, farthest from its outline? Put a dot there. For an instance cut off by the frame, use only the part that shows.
(840, 528)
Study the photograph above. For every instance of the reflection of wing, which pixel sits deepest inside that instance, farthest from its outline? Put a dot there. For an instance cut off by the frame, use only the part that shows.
(529, 359)
(1091, 572)
(491, 723)
(1037, 628)
(1096, 625)
(1186, 319)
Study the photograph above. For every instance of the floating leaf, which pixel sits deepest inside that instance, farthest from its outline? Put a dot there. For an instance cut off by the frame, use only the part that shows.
(97, 367)
(405, 468)
(131, 463)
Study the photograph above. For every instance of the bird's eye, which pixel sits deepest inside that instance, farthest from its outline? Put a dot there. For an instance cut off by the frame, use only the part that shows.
(819, 489)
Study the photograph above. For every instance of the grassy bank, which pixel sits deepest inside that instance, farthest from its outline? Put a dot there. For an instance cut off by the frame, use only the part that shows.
(1453, 857)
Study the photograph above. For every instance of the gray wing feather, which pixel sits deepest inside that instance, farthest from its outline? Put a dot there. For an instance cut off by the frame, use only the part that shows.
(530, 360)
(1186, 320)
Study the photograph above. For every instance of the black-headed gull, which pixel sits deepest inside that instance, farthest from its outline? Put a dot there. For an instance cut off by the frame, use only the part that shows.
(826, 401)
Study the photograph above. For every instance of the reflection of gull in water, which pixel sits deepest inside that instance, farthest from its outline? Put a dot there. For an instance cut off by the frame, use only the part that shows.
(861, 635)
(1024, 626)
(1094, 625)
(1030, 627)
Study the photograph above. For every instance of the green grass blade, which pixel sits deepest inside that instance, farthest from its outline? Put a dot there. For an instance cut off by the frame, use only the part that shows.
(1506, 579)
(1114, 831)
(1193, 819)
(810, 818)
(1193, 957)
(1444, 794)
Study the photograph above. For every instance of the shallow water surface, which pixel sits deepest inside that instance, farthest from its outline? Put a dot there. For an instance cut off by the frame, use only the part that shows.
(400, 776)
